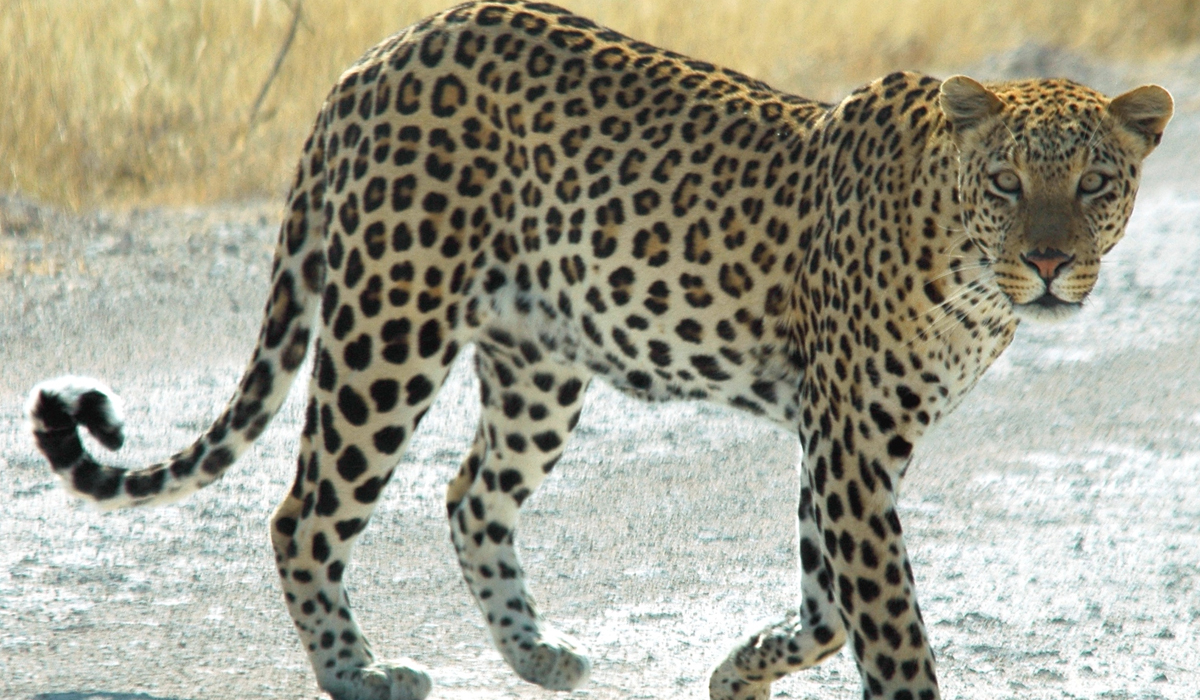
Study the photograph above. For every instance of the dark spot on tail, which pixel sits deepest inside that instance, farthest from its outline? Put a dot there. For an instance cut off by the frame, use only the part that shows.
(61, 447)
(99, 482)
(52, 412)
(95, 411)
(217, 461)
(139, 485)
(185, 464)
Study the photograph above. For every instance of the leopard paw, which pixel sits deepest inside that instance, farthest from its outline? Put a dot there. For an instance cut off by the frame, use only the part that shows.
(726, 684)
(402, 679)
(553, 660)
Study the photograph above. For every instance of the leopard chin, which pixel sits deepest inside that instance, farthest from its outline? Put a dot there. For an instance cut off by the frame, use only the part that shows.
(1047, 308)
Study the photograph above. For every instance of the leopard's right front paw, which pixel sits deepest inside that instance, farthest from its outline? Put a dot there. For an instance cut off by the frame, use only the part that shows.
(402, 679)
(726, 684)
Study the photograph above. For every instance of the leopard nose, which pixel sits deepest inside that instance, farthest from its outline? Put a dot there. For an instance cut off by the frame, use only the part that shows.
(1048, 262)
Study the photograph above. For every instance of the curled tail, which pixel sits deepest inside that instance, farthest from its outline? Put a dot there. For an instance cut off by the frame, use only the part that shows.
(58, 406)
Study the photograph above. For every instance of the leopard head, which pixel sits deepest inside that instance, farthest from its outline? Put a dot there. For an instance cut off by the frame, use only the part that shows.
(1048, 172)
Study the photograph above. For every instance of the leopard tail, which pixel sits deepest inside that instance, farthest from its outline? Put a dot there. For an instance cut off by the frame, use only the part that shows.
(57, 407)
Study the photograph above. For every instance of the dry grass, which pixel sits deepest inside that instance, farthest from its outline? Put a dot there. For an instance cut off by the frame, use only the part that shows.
(147, 100)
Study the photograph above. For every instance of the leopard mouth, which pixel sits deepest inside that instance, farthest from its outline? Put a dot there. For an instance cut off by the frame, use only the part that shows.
(1047, 307)
(1048, 300)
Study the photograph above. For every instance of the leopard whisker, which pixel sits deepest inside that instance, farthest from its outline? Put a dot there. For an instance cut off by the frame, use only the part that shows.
(964, 268)
(947, 310)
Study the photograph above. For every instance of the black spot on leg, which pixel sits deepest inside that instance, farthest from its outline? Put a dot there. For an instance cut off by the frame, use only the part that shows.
(326, 371)
(320, 547)
(496, 532)
(883, 420)
(867, 624)
(314, 270)
(543, 381)
(509, 479)
(385, 393)
(357, 354)
(513, 404)
(530, 352)
(709, 367)
(891, 634)
(352, 464)
(908, 399)
(897, 607)
(833, 507)
(286, 526)
(395, 339)
(810, 555)
(352, 406)
(327, 500)
(547, 441)
(887, 669)
(349, 528)
(332, 438)
(823, 634)
(368, 492)
(388, 440)
(868, 590)
(639, 380)
(429, 338)
(899, 447)
(344, 323)
(568, 392)
(417, 390)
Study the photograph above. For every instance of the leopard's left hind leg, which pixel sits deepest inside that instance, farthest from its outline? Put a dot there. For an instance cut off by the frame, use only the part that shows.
(530, 407)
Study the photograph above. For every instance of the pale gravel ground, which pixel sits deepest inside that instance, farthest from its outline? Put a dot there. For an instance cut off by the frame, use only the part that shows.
(1054, 520)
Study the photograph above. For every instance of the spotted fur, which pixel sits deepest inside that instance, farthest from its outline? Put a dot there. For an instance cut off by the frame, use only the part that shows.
(579, 204)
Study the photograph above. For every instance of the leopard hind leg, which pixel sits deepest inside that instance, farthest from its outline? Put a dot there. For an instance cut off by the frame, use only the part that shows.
(530, 407)
(357, 426)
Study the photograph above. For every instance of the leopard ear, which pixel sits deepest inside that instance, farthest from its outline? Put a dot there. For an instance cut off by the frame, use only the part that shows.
(1145, 111)
(966, 103)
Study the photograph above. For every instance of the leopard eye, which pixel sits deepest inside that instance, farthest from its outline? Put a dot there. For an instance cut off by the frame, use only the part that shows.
(1007, 182)
(1092, 182)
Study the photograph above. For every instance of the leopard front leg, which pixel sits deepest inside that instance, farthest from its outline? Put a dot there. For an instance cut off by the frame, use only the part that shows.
(856, 579)
(854, 482)
(804, 638)
(528, 414)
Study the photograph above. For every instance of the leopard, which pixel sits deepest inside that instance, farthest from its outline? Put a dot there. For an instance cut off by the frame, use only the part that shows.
(575, 204)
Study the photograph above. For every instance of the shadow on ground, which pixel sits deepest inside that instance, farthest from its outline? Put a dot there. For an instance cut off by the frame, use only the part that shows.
(87, 695)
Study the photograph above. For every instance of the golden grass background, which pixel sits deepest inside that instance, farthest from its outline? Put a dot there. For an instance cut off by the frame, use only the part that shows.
(147, 101)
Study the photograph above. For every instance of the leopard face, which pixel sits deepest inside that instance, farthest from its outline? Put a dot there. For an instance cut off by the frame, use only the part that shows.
(1048, 172)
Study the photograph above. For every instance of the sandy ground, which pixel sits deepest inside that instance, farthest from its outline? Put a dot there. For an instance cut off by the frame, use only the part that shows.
(1054, 520)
